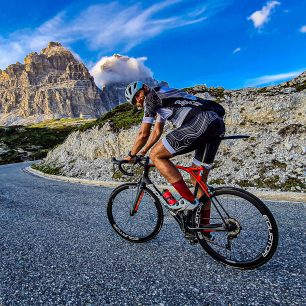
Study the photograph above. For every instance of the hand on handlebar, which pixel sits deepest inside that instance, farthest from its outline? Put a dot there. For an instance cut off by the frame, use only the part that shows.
(142, 153)
(143, 161)
(129, 159)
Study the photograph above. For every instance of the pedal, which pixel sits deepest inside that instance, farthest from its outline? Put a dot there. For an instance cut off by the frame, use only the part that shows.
(193, 241)
(192, 238)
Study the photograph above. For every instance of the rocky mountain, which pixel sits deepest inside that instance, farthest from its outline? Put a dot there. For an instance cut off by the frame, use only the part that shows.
(272, 158)
(54, 84)
(51, 84)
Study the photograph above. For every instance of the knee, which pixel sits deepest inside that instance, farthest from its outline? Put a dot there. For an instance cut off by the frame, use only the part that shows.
(154, 155)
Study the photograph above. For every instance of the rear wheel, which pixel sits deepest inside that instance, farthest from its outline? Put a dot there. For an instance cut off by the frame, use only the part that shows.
(145, 224)
(251, 237)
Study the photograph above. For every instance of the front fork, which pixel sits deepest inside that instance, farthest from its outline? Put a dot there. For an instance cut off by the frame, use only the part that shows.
(138, 199)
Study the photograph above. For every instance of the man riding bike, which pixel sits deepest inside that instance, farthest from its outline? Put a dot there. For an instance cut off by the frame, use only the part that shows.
(198, 123)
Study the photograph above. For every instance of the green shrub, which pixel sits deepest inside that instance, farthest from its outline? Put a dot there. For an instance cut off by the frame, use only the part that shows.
(277, 164)
(48, 169)
(300, 87)
(262, 90)
(293, 182)
(122, 116)
(218, 181)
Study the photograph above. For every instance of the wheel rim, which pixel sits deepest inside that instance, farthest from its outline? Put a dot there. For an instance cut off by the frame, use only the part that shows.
(252, 241)
(141, 224)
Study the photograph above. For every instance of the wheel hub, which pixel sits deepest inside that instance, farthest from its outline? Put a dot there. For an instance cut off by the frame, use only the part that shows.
(233, 227)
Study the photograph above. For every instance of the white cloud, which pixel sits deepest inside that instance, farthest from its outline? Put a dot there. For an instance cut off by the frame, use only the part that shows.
(118, 68)
(104, 27)
(268, 79)
(10, 52)
(197, 11)
(261, 17)
(303, 29)
(237, 50)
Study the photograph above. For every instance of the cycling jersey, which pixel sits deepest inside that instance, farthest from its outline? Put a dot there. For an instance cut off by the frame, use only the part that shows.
(171, 104)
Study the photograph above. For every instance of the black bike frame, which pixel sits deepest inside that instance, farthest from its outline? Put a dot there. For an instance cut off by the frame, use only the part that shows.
(183, 221)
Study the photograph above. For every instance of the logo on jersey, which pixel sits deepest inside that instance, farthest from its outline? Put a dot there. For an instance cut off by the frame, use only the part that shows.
(183, 103)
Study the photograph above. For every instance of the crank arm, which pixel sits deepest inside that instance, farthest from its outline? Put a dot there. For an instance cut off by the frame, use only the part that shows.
(213, 227)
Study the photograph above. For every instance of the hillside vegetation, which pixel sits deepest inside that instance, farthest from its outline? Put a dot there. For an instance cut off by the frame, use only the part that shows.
(21, 143)
(122, 116)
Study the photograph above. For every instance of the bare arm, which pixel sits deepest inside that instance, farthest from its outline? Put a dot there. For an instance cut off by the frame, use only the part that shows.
(141, 138)
(154, 137)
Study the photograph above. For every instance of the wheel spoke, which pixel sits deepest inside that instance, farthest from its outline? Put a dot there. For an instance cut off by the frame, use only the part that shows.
(144, 223)
(250, 230)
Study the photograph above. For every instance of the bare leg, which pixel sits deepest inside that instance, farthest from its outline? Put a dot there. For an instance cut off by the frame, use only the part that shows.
(160, 157)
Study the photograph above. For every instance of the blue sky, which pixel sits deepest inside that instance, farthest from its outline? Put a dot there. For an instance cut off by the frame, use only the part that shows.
(233, 43)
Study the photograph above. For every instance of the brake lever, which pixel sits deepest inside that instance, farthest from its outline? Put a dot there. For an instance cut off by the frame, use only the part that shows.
(140, 158)
(119, 163)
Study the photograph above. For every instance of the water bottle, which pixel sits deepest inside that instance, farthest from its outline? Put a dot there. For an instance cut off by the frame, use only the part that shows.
(167, 195)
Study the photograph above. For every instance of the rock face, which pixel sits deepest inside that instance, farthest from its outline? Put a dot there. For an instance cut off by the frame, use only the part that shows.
(272, 158)
(51, 84)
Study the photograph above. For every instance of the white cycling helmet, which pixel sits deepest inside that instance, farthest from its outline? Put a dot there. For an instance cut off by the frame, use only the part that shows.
(131, 90)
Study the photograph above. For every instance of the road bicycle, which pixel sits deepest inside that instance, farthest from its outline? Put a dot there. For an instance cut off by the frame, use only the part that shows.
(240, 232)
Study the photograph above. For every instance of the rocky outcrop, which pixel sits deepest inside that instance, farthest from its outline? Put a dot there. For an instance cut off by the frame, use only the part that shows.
(51, 84)
(272, 158)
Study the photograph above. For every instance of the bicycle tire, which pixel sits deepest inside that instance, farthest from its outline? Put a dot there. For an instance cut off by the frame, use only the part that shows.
(268, 247)
(123, 232)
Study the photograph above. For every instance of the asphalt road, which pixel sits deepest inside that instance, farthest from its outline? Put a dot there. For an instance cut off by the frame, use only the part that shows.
(57, 248)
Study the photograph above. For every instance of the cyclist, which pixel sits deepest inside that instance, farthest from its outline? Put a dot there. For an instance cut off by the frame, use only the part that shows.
(198, 124)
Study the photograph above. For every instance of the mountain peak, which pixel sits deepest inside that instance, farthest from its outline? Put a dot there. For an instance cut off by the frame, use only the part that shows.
(50, 84)
(52, 44)
(55, 49)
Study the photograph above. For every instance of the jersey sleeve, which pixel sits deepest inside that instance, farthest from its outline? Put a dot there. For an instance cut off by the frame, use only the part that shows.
(160, 119)
(152, 102)
(147, 119)
(149, 113)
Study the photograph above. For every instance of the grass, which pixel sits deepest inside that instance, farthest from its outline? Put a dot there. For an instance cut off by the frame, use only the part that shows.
(262, 90)
(300, 87)
(61, 123)
(30, 143)
(38, 139)
(218, 181)
(47, 169)
(273, 183)
(122, 116)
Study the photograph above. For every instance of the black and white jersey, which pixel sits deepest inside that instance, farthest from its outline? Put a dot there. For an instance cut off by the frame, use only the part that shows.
(164, 103)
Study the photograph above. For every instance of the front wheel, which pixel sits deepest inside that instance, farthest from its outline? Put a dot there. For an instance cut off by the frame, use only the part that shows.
(141, 226)
(250, 237)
